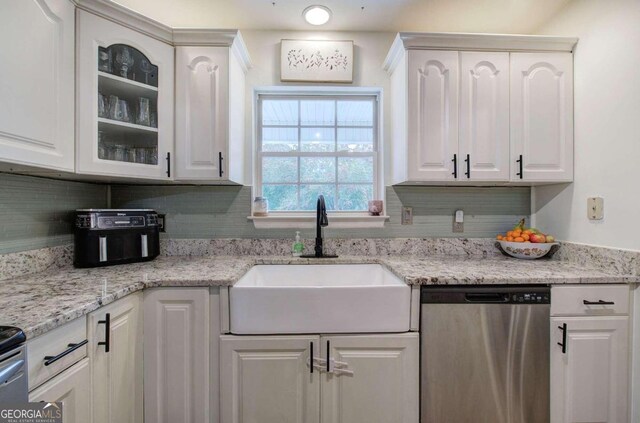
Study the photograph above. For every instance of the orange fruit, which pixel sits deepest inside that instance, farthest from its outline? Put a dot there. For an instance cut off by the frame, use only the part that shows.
(519, 239)
(525, 236)
(499, 237)
(510, 238)
(510, 233)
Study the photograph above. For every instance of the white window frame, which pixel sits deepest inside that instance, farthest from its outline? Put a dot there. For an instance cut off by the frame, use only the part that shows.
(303, 219)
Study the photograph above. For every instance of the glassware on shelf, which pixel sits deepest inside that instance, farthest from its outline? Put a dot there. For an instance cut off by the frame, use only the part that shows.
(139, 154)
(121, 153)
(104, 60)
(153, 119)
(152, 155)
(126, 115)
(103, 106)
(102, 145)
(146, 68)
(142, 115)
(115, 108)
(124, 61)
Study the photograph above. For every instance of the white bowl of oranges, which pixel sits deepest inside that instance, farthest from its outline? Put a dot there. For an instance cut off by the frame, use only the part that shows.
(523, 243)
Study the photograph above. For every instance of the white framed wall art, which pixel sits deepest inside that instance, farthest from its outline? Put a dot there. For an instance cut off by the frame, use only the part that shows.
(316, 61)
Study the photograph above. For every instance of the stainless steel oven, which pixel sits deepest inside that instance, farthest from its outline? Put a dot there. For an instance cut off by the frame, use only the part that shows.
(13, 366)
(485, 354)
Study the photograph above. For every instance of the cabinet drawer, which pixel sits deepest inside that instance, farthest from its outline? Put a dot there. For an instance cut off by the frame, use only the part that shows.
(584, 300)
(52, 344)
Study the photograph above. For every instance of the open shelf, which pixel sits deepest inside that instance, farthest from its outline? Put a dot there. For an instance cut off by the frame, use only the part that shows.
(108, 80)
(126, 127)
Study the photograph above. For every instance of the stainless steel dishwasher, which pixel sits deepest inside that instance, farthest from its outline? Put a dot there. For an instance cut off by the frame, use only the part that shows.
(485, 354)
(13, 366)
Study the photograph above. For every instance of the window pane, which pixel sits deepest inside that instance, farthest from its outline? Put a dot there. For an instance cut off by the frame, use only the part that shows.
(317, 112)
(355, 113)
(279, 169)
(317, 169)
(279, 112)
(309, 196)
(355, 139)
(281, 197)
(317, 139)
(279, 139)
(355, 169)
(354, 197)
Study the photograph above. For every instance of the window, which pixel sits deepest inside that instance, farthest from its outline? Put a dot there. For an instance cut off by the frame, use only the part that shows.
(317, 144)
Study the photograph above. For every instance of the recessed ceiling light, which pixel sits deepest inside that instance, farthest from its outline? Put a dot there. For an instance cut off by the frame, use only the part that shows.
(317, 15)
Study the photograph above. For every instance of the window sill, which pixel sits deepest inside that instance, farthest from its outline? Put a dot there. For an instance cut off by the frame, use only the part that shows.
(301, 221)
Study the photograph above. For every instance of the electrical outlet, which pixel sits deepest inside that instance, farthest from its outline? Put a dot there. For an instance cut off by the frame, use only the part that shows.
(458, 221)
(595, 208)
(162, 222)
(407, 216)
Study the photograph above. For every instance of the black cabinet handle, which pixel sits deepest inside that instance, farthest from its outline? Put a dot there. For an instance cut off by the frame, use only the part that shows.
(519, 161)
(328, 356)
(563, 344)
(468, 161)
(220, 163)
(455, 166)
(168, 165)
(599, 302)
(107, 331)
(50, 359)
(311, 357)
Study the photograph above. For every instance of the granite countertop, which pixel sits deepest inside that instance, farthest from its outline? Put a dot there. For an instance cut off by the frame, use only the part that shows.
(43, 301)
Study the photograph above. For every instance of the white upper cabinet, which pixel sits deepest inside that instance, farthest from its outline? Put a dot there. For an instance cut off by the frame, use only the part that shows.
(433, 115)
(484, 117)
(210, 113)
(37, 83)
(125, 89)
(542, 117)
(465, 109)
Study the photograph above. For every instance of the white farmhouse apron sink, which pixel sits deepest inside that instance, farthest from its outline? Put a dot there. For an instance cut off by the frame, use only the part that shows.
(326, 298)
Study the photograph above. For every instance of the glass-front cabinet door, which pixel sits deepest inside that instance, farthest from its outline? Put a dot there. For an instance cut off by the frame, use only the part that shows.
(125, 101)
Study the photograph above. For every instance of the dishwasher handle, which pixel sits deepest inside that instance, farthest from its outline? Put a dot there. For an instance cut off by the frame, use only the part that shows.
(486, 297)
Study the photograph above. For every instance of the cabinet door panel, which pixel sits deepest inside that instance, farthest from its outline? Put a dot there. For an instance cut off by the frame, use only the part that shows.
(542, 116)
(267, 379)
(176, 355)
(37, 83)
(117, 374)
(484, 116)
(384, 384)
(589, 383)
(71, 387)
(202, 92)
(433, 115)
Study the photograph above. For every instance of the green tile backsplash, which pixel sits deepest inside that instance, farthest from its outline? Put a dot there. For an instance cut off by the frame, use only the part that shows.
(221, 211)
(35, 212)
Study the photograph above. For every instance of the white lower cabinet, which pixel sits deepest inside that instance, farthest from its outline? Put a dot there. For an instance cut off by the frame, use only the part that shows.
(115, 339)
(71, 387)
(590, 359)
(176, 355)
(270, 379)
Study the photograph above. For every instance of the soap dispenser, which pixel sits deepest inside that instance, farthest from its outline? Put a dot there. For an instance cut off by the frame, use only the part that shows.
(298, 246)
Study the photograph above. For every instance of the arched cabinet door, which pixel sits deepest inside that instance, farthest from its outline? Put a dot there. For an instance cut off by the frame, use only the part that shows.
(432, 115)
(125, 101)
(484, 116)
(36, 83)
(202, 112)
(541, 117)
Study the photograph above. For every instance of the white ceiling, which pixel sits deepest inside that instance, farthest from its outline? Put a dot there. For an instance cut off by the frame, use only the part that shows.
(496, 16)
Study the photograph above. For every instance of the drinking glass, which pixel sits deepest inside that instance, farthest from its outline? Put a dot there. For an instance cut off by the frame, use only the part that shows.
(152, 155)
(103, 106)
(139, 154)
(115, 108)
(102, 145)
(126, 116)
(153, 119)
(146, 68)
(142, 116)
(124, 60)
(104, 60)
(121, 153)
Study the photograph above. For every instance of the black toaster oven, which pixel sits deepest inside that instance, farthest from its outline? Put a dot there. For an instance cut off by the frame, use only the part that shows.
(103, 237)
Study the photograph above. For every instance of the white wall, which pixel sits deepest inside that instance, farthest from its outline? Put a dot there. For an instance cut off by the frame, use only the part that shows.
(370, 49)
(607, 126)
